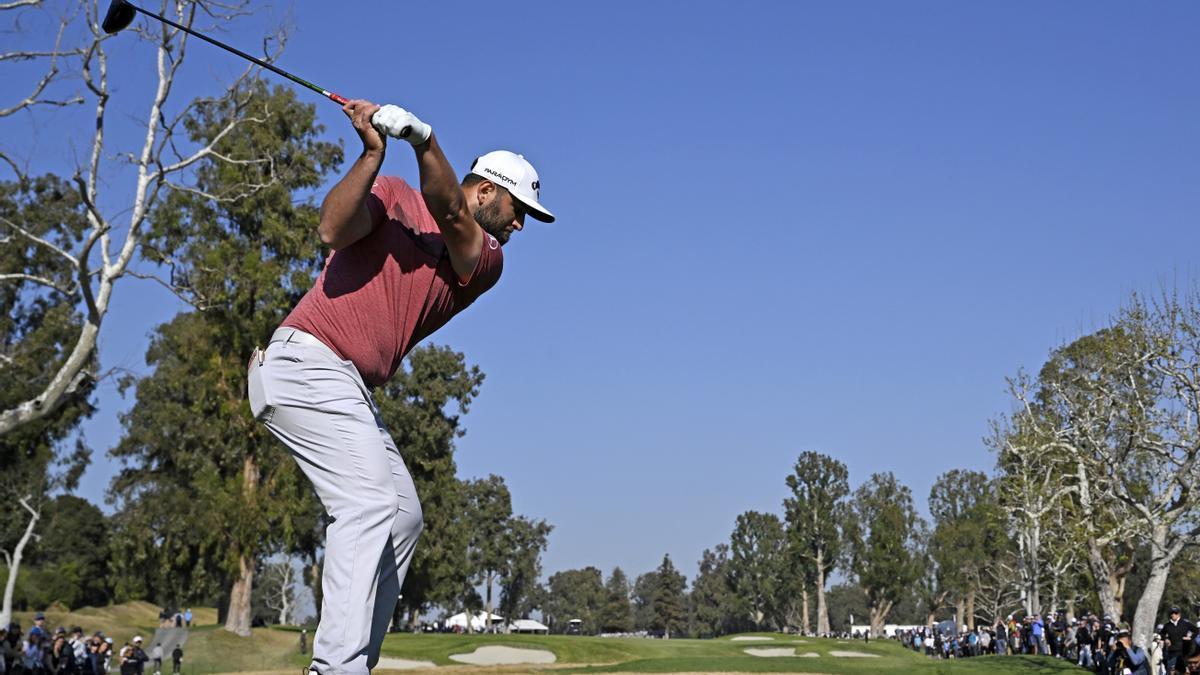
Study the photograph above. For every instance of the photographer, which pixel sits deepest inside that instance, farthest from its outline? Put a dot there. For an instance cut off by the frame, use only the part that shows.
(1127, 658)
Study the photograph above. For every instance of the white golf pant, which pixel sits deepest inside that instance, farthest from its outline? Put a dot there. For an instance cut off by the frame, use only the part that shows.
(318, 405)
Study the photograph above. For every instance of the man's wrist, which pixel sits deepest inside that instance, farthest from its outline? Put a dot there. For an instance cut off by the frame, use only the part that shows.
(373, 155)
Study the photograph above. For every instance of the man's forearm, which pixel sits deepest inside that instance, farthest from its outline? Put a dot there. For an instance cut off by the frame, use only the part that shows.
(439, 185)
(345, 217)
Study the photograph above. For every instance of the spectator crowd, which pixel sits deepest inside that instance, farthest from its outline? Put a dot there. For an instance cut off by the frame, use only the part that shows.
(1095, 643)
(64, 651)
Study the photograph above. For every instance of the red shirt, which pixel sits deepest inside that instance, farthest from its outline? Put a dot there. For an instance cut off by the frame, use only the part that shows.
(380, 296)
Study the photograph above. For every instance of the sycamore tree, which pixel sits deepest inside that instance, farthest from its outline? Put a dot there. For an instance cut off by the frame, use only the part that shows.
(114, 186)
(814, 513)
(883, 531)
(205, 492)
(488, 511)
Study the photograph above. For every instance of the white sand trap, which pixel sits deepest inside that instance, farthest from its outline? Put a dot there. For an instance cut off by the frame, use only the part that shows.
(747, 638)
(387, 663)
(854, 654)
(494, 655)
(775, 651)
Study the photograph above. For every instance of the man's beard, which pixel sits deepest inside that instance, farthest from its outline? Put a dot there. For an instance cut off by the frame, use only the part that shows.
(489, 218)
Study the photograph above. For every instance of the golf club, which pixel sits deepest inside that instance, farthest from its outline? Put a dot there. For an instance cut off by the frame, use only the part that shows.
(121, 13)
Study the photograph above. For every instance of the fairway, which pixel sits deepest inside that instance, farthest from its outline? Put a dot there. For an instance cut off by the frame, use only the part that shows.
(576, 654)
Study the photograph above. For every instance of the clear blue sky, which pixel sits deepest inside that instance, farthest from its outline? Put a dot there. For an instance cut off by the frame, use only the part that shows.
(783, 226)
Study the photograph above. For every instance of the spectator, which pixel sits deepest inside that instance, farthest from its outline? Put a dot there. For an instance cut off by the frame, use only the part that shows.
(79, 647)
(139, 656)
(5, 650)
(1083, 640)
(1175, 633)
(31, 653)
(39, 625)
(1127, 657)
(176, 659)
(157, 655)
(1155, 653)
(187, 617)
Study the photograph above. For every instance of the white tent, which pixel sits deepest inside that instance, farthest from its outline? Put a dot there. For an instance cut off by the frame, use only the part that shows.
(528, 626)
(477, 621)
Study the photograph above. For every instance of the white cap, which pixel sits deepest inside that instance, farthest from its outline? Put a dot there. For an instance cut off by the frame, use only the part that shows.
(516, 174)
(137, 639)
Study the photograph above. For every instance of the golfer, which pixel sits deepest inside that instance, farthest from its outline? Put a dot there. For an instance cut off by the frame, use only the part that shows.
(403, 263)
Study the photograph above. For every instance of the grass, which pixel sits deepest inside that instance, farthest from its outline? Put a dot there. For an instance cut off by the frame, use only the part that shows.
(724, 655)
(275, 650)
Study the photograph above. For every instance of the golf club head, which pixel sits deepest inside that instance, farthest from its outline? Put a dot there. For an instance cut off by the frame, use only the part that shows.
(120, 14)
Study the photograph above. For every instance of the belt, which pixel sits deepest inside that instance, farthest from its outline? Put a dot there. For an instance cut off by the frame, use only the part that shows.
(297, 336)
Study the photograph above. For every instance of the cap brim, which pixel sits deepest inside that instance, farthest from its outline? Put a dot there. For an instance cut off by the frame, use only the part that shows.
(535, 210)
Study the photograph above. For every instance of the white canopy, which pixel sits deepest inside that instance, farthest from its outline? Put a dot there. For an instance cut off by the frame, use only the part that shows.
(528, 626)
(477, 621)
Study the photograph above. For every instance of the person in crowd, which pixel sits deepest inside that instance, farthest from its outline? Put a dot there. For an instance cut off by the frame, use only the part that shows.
(79, 648)
(1127, 657)
(176, 659)
(1001, 629)
(1175, 633)
(1155, 653)
(1083, 642)
(32, 659)
(187, 618)
(157, 655)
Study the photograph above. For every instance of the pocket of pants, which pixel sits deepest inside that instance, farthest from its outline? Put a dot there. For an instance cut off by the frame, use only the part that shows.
(256, 391)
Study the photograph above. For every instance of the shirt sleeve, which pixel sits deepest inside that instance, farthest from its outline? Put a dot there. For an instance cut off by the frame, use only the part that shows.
(381, 199)
(486, 273)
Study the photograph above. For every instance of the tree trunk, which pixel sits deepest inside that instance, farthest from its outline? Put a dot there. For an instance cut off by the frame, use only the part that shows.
(238, 619)
(487, 623)
(1161, 558)
(878, 617)
(971, 609)
(314, 575)
(14, 562)
(804, 611)
(960, 610)
(822, 608)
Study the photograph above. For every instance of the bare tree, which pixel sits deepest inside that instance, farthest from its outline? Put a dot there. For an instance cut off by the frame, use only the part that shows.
(279, 580)
(92, 265)
(13, 559)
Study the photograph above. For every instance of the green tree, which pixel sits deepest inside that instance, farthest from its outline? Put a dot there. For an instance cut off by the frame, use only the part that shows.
(883, 529)
(526, 539)
(575, 594)
(714, 612)
(205, 492)
(670, 600)
(964, 509)
(814, 514)
(757, 566)
(422, 406)
(643, 595)
(616, 614)
(489, 508)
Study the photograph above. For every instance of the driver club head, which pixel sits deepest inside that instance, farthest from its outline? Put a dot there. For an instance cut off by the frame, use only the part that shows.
(120, 14)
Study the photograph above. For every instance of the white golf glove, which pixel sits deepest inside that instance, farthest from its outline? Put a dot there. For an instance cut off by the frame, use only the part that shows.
(394, 121)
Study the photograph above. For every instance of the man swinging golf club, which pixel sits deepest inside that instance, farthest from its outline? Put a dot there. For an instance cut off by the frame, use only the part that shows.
(403, 263)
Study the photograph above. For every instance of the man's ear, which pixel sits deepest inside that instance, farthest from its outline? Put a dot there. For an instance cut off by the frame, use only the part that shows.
(485, 190)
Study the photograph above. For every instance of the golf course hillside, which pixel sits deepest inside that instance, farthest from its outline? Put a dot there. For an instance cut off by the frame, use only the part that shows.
(749, 653)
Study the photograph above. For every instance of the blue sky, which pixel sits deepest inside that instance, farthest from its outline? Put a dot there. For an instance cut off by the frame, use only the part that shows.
(782, 226)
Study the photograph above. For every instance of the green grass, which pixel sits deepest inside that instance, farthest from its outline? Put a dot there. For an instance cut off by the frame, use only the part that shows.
(601, 655)
(213, 650)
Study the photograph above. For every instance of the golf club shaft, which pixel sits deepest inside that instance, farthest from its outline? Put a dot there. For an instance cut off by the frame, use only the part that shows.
(340, 100)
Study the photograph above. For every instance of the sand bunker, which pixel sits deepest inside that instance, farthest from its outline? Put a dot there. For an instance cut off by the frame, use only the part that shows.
(387, 663)
(776, 651)
(854, 654)
(494, 655)
(750, 637)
